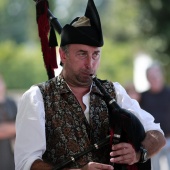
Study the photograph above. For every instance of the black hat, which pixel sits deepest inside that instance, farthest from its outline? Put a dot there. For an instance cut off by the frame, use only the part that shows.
(84, 30)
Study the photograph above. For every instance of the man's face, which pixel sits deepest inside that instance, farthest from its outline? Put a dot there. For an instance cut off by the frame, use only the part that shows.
(80, 61)
(155, 78)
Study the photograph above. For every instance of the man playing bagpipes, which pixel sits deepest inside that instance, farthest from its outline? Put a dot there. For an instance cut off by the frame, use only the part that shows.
(76, 121)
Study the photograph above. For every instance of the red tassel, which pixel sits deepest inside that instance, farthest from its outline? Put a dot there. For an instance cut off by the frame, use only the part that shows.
(49, 53)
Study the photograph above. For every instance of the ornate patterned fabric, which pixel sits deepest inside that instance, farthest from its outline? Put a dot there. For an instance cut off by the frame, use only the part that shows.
(67, 129)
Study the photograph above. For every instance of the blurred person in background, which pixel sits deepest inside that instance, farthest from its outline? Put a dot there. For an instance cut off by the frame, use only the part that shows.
(8, 110)
(156, 101)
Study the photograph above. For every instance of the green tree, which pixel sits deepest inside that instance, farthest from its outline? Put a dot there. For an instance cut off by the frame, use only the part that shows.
(122, 21)
(154, 25)
(21, 66)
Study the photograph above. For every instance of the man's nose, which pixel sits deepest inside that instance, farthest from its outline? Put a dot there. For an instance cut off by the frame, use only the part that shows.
(89, 61)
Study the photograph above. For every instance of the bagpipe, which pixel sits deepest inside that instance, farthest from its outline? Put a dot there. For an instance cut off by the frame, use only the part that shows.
(124, 125)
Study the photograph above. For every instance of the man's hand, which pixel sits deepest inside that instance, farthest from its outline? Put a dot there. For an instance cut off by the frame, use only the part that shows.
(95, 166)
(124, 153)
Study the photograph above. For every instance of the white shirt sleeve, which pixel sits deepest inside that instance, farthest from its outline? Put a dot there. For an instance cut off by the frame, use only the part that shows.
(30, 141)
(124, 101)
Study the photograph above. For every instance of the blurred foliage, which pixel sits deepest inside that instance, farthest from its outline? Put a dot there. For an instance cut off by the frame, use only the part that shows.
(129, 26)
(116, 62)
(20, 65)
(155, 30)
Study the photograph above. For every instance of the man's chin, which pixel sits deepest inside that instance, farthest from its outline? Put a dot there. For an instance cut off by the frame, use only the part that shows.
(86, 81)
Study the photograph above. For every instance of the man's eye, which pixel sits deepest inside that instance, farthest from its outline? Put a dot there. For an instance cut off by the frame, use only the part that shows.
(96, 56)
(82, 55)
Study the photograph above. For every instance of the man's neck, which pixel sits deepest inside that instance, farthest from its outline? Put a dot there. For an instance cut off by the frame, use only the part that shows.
(157, 89)
(80, 91)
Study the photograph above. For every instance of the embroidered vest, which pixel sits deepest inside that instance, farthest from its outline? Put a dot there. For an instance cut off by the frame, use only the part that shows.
(67, 129)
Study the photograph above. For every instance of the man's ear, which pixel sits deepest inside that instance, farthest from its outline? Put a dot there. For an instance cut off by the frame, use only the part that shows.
(62, 55)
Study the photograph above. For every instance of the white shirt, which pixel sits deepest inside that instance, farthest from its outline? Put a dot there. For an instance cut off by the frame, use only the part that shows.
(30, 123)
